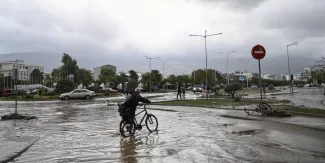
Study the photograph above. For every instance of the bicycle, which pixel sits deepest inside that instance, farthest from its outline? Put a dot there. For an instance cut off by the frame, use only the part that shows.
(131, 124)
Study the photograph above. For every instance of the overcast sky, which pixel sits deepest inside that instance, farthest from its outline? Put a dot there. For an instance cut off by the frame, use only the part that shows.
(123, 32)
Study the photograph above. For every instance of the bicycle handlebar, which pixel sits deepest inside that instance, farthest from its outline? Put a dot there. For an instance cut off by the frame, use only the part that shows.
(141, 104)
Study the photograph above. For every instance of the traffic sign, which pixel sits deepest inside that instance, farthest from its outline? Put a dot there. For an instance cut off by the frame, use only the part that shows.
(258, 52)
(241, 78)
(202, 85)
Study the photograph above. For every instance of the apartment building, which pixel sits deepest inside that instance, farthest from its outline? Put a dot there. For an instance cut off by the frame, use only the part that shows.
(24, 70)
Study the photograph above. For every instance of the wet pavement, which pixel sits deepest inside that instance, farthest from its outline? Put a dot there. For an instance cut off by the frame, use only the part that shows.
(88, 132)
(309, 97)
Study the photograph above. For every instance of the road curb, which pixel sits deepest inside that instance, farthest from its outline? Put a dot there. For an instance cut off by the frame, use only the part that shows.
(16, 154)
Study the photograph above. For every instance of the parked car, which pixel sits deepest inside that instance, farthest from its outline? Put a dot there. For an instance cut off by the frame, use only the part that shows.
(5, 92)
(107, 91)
(254, 86)
(78, 94)
(300, 86)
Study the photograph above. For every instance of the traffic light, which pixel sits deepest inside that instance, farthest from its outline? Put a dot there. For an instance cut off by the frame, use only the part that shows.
(291, 77)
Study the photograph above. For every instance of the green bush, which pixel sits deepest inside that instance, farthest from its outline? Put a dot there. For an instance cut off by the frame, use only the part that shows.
(41, 92)
(28, 96)
(232, 89)
(51, 93)
(64, 86)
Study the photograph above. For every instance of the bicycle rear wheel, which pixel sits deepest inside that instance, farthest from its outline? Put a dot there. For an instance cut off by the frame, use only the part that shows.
(151, 123)
(127, 129)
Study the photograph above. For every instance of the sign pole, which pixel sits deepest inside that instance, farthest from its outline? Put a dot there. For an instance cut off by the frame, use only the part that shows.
(16, 75)
(260, 81)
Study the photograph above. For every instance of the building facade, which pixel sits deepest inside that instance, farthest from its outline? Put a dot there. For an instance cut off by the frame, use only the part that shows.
(269, 76)
(97, 70)
(24, 70)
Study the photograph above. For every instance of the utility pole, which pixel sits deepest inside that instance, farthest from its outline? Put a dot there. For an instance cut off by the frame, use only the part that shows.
(206, 58)
(163, 63)
(291, 86)
(227, 54)
(150, 58)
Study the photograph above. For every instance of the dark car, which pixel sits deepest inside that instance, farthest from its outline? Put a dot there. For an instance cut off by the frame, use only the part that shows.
(300, 86)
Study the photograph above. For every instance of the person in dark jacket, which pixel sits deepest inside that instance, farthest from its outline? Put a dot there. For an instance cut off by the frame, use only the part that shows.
(183, 91)
(132, 102)
(179, 92)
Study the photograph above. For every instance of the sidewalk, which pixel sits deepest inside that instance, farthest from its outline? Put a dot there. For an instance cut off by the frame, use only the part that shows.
(304, 121)
(297, 120)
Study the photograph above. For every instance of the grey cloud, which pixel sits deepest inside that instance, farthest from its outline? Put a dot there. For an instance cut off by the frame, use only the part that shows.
(298, 21)
(241, 5)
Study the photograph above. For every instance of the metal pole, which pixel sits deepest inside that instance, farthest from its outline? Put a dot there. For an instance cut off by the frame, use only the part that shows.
(260, 81)
(150, 76)
(206, 64)
(163, 74)
(16, 74)
(227, 70)
(206, 55)
(247, 81)
(289, 67)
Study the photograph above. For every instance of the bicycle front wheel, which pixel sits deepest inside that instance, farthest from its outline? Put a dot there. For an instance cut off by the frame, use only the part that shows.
(151, 123)
(127, 129)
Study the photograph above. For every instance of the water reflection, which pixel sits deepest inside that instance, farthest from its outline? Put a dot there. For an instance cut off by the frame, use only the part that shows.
(128, 147)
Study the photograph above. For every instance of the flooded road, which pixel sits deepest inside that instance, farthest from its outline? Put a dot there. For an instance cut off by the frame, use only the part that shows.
(88, 132)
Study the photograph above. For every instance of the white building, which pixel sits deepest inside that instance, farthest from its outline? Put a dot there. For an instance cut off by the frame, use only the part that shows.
(243, 73)
(269, 76)
(24, 70)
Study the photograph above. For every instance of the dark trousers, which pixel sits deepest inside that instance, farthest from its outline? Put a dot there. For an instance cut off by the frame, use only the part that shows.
(180, 95)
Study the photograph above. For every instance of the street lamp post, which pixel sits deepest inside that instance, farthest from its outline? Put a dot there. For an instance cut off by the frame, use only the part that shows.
(163, 63)
(292, 44)
(227, 54)
(206, 58)
(150, 58)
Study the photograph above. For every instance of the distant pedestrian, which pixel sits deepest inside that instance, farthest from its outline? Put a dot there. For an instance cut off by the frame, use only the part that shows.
(179, 92)
(208, 91)
(183, 90)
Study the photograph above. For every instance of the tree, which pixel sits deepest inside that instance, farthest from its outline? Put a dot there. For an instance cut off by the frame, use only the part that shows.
(200, 76)
(172, 79)
(133, 75)
(2, 78)
(183, 79)
(122, 78)
(106, 75)
(64, 86)
(219, 77)
(56, 74)
(69, 66)
(85, 77)
(47, 80)
(36, 77)
(156, 79)
(232, 88)
(132, 84)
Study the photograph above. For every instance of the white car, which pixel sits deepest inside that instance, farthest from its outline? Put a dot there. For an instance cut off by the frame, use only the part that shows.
(78, 94)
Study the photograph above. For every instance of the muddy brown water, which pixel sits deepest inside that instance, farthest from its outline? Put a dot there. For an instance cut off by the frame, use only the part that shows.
(88, 132)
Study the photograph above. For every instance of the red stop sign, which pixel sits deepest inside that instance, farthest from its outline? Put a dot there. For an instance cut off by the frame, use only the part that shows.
(258, 52)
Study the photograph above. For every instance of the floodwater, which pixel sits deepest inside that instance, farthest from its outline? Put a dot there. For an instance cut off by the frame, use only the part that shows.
(309, 97)
(88, 132)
